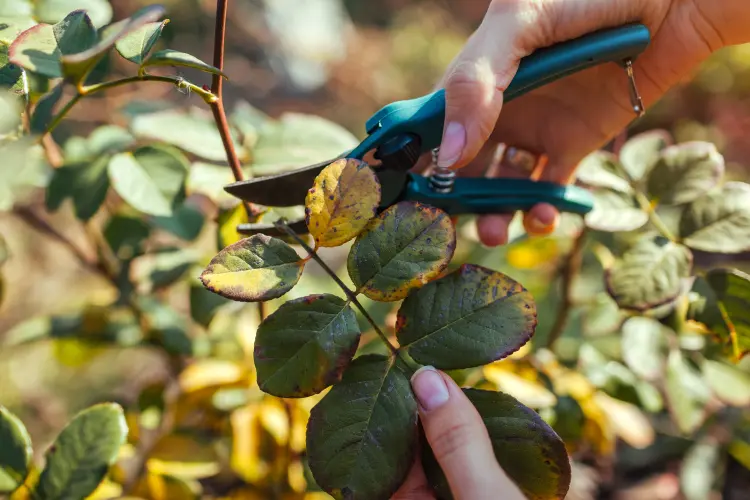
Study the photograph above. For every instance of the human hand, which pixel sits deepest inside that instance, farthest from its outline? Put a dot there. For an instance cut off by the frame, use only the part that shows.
(568, 119)
(460, 442)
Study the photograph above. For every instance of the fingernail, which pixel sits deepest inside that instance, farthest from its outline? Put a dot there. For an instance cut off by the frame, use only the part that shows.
(430, 388)
(540, 225)
(454, 141)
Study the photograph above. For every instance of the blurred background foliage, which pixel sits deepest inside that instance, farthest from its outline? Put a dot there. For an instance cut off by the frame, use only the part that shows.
(304, 77)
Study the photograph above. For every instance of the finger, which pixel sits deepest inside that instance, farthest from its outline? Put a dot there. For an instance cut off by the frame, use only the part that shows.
(493, 229)
(459, 439)
(415, 487)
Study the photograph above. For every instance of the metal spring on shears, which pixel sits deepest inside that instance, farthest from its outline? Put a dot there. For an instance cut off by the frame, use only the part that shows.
(442, 179)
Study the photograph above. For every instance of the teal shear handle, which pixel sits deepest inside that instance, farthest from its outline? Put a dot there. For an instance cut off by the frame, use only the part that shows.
(425, 116)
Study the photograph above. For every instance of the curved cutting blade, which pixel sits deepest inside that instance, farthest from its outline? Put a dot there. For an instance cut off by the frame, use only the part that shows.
(283, 190)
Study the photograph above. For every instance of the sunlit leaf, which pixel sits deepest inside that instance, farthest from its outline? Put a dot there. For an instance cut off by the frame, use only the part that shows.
(600, 169)
(211, 373)
(169, 57)
(25, 170)
(164, 487)
(531, 393)
(730, 384)
(469, 318)
(162, 268)
(209, 180)
(408, 245)
(699, 470)
(15, 453)
(627, 421)
(341, 202)
(687, 393)
(16, 8)
(650, 274)
(41, 47)
(81, 455)
(247, 443)
(85, 183)
(644, 343)
(183, 455)
(194, 132)
(228, 220)
(150, 179)
(76, 67)
(104, 140)
(136, 46)
(297, 140)
(254, 269)
(685, 172)
(527, 449)
(305, 346)
(52, 11)
(615, 211)
(720, 221)
(204, 304)
(249, 120)
(362, 435)
(641, 152)
(723, 308)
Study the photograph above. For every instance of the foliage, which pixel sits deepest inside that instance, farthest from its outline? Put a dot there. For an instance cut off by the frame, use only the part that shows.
(623, 334)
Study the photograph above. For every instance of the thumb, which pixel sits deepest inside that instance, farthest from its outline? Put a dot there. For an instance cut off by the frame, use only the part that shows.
(474, 87)
(459, 439)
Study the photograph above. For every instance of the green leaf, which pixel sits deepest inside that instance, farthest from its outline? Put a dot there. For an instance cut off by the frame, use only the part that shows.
(81, 455)
(615, 211)
(45, 108)
(10, 115)
(85, 183)
(730, 384)
(650, 274)
(362, 436)
(687, 393)
(723, 308)
(167, 328)
(151, 179)
(249, 121)
(40, 48)
(601, 169)
(408, 245)
(305, 346)
(527, 449)
(104, 140)
(15, 453)
(162, 268)
(685, 172)
(169, 57)
(25, 170)
(341, 202)
(194, 132)
(469, 318)
(52, 11)
(297, 140)
(720, 221)
(640, 153)
(12, 25)
(77, 66)
(644, 342)
(125, 235)
(698, 472)
(204, 304)
(12, 77)
(209, 180)
(186, 222)
(15, 8)
(136, 46)
(255, 269)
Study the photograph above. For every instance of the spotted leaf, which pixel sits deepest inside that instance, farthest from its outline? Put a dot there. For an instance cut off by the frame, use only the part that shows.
(361, 437)
(254, 269)
(305, 346)
(343, 199)
(408, 245)
(469, 318)
(528, 450)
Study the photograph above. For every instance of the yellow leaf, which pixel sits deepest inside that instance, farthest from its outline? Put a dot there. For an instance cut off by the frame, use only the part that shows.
(183, 456)
(533, 253)
(529, 392)
(740, 450)
(258, 268)
(343, 199)
(212, 373)
(274, 419)
(23, 492)
(597, 431)
(106, 490)
(159, 487)
(228, 221)
(246, 459)
(627, 421)
(296, 477)
(76, 353)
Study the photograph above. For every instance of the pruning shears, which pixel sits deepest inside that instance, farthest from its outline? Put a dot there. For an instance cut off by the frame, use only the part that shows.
(401, 132)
